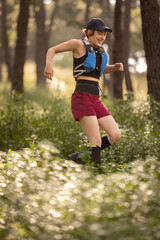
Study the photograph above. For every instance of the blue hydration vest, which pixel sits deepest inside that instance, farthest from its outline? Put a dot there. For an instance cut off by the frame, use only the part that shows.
(89, 63)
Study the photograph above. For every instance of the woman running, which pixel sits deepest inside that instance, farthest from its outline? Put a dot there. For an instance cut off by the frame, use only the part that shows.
(89, 63)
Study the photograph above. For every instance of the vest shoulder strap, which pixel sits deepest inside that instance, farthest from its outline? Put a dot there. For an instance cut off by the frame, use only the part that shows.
(85, 41)
(89, 46)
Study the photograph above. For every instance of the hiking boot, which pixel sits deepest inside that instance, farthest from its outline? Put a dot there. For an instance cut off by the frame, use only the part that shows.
(74, 157)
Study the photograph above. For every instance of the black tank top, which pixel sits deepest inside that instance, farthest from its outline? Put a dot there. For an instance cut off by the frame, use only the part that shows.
(95, 72)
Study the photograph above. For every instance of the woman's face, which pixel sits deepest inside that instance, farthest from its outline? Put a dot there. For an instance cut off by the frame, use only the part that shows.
(98, 38)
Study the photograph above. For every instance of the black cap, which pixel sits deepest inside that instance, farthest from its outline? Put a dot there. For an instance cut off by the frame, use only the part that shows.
(97, 24)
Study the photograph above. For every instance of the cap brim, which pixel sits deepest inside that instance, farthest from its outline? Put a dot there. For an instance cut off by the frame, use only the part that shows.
(104, 29)
(109, 30)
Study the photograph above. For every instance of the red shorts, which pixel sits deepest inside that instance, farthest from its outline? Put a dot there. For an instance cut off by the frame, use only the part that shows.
(87, 104)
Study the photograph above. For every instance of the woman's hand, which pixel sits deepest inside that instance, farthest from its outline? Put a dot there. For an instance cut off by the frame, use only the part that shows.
(119, 67)
(114, 67)
(48, 71)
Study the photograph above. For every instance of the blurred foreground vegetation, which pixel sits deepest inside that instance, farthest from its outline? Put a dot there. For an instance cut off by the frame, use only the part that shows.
(45, 196)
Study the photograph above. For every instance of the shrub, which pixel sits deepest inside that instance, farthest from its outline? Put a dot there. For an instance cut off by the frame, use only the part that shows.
(45, 196)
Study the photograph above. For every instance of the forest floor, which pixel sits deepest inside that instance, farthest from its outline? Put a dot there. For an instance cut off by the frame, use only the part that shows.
(43, 195)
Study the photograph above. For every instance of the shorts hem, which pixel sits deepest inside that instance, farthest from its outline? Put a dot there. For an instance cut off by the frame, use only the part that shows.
(105, 115)
(87, 115)
(98, 117)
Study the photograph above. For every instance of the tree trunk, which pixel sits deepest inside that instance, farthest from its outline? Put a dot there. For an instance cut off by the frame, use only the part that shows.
(41, 46)
(107, 17)
(151, 39)
(4, 38)
(1, 64)
(118, 51)
(126, 37)
(18, 67)
(52, 18)
(87, 12)
(1, 55)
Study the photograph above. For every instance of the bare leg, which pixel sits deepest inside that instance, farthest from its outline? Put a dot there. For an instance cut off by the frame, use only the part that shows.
(90, 127)
(109, 125)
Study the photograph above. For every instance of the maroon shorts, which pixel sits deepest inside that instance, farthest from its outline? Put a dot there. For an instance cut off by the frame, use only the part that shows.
(87, 104)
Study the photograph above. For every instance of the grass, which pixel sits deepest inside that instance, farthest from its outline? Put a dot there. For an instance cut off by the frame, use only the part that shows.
(45, 196)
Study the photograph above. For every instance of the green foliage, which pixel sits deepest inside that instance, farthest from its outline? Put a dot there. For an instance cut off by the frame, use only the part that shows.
(24, 122)
(140, 127)
(45, 196)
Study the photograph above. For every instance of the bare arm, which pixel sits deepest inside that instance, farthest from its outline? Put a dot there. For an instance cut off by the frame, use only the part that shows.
(72, 45)
(112, 68)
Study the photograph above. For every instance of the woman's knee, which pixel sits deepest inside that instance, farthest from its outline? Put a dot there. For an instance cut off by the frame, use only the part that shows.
(116, 136)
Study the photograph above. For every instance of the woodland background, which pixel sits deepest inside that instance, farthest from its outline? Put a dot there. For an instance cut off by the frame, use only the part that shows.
(42, 194)
(29, 28)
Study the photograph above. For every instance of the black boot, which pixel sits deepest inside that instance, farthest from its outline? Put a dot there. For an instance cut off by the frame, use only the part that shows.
(96, 155)
(75, 157)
